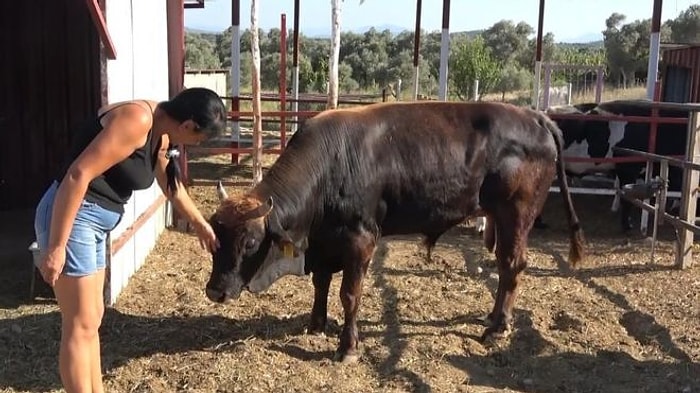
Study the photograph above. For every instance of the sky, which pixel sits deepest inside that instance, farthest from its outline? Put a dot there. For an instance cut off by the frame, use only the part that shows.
(569, 20)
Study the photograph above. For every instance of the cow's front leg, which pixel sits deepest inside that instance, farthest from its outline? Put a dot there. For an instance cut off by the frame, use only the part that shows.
(319, 311)
(626, 216)
(354, 271)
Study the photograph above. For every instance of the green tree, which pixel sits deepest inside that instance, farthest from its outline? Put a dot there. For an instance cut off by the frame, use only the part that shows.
(513, 78)
(471, 61)
(686, 27)
(507, 40)
(199, 53)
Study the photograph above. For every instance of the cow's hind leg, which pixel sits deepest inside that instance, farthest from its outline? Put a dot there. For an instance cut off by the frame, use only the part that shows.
(356, 261)
(319, 311)
(514, 219)
(510, 256)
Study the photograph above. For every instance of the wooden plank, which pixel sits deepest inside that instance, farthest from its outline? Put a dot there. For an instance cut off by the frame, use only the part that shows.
(119, 242)
(101, 26)
(684, 256)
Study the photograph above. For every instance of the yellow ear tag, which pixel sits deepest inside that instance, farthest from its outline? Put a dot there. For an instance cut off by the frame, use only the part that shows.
(288, 250)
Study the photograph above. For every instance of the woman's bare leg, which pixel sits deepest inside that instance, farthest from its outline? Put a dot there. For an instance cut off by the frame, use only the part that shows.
(80, 321)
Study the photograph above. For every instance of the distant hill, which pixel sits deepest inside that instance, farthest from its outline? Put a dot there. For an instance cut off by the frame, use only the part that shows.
(578, 45)
(201, 31)
(588, 38)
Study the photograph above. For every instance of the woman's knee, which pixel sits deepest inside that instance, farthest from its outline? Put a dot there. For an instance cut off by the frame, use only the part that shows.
(80, 315)
(82, 325)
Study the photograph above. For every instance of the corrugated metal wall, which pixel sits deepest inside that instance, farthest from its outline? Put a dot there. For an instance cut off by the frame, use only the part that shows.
(50, 78)
(688, 58)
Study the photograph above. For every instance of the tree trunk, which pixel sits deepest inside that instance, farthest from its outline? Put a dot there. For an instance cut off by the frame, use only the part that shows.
(334, 56)
(257, 119)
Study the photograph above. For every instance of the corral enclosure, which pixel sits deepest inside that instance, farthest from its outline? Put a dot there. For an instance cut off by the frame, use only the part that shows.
(619, 324)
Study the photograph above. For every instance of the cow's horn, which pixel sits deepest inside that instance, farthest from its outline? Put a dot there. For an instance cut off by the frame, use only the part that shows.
(262, 210)
(220, 191)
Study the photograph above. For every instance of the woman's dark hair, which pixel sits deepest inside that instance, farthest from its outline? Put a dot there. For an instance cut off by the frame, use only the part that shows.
(206, 109)
(200, 105)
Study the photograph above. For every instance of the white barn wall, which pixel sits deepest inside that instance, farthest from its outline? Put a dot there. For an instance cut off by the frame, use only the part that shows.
(139, 32)
(211, 79)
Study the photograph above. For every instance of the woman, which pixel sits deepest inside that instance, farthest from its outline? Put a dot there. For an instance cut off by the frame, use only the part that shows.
(121, 150)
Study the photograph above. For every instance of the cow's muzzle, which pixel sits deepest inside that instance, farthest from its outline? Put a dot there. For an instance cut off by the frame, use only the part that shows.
(216, 296)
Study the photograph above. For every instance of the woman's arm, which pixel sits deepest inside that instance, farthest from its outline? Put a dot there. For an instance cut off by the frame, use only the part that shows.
(125, 129)
(183, 203)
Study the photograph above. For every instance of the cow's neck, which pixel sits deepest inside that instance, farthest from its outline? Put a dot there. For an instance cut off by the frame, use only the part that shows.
(293, 212)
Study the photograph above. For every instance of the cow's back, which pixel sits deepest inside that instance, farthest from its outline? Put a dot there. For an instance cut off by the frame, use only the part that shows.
(418, 167)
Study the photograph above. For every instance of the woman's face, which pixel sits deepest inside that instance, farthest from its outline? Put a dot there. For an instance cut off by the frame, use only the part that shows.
(187, 134)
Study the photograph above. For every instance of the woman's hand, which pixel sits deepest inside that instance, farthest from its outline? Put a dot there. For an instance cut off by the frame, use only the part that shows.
(52, 265)
(206, 235)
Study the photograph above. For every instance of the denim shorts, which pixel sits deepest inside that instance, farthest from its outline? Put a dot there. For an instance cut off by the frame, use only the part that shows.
(87, 243)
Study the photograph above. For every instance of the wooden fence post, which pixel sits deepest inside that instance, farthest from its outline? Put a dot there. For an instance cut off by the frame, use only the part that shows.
(684, 256)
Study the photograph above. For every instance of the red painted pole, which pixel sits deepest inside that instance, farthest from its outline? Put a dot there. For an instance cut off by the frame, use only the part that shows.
(416, 50)
(235, 99)
(283, 80)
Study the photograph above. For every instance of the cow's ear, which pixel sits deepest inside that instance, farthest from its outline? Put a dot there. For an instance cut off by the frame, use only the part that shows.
(291, 250)
(275, 229)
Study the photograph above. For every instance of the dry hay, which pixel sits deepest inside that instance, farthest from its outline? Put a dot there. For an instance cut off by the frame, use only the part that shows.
(619, 324)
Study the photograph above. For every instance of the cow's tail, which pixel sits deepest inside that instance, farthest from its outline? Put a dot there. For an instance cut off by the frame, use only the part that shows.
(576, 239)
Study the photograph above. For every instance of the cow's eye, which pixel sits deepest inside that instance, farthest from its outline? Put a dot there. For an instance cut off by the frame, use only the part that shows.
(250, 244)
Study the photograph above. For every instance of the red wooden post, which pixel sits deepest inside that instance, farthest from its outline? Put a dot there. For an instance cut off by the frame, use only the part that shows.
(235, 99)
(283, 81)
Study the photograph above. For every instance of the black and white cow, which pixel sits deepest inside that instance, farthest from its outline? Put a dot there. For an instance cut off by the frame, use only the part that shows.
(596, 138)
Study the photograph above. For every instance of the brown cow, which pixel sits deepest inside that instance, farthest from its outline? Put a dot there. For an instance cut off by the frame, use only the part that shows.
(349, 177)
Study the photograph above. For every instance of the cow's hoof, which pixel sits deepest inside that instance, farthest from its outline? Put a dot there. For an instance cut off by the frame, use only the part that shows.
(485, 320)
(347, 358)
(320, 333)
(496, 332)
(317, 331)
(317, 326)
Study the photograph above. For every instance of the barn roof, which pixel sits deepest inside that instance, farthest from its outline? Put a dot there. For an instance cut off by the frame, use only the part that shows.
(678, 45)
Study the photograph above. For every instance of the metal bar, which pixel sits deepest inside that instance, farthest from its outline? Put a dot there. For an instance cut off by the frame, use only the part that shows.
(226, 150)
(656, 157)
(308, 100)
(605, 191)
(640, 204)
(678, 223)
(660, 206)
(629, 119)
(605, 159)
(235, 115)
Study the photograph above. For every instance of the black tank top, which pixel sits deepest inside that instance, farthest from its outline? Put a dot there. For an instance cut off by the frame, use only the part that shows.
(114, 187)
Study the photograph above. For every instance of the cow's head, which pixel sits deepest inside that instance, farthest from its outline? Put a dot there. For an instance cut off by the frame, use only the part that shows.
(254, 249)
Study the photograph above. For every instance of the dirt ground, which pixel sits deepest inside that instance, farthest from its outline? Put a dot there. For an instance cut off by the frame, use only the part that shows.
(621, 323)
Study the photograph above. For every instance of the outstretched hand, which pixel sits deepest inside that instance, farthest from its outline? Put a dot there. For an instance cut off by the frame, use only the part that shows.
(207, 237)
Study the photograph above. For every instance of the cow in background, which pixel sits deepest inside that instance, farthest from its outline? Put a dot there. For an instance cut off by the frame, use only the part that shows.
(351, 176)
(596, 139)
